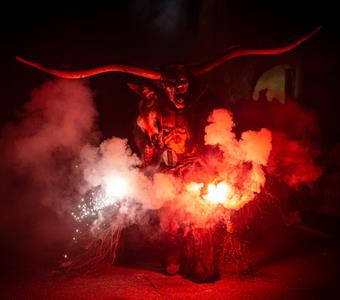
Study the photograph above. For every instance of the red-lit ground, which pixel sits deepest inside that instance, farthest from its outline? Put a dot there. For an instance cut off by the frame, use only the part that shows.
(295, 266)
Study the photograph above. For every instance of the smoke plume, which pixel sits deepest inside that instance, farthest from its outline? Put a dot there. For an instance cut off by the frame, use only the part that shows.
(54, 150)
(296, 137)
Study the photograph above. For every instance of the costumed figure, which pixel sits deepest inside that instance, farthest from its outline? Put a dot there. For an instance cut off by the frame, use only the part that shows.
(166, 145)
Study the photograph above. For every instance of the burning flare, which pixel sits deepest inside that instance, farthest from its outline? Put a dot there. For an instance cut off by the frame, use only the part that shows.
(217, 193)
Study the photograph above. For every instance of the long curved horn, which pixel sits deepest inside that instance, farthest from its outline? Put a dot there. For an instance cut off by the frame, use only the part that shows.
(205, 68)
(91, 72)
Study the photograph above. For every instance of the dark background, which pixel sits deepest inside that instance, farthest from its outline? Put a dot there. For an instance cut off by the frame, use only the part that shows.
(154, 33)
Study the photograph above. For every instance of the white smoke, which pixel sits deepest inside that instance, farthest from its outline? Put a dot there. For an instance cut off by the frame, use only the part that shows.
(55, 124)
(55, 144)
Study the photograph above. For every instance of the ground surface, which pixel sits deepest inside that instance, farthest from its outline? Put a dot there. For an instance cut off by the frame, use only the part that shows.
(307, 272)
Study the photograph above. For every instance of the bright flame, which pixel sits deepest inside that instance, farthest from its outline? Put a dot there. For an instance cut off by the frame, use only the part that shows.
(117, 187)
(217, 193)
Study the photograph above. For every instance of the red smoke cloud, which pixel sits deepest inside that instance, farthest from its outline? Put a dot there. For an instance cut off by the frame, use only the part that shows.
(295, 138)
(293, 161)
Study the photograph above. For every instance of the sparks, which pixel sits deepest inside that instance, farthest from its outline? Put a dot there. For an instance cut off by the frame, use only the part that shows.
(109, 194)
